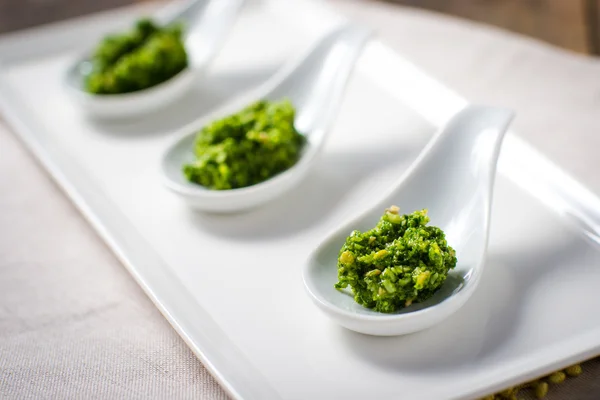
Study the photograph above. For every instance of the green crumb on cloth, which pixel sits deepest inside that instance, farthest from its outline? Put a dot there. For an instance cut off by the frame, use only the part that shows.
(538, 388)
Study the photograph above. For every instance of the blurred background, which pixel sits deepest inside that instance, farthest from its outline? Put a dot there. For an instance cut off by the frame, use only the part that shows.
(570, 24)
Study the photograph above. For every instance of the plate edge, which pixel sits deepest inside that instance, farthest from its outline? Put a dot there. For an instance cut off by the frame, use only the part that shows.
(593, 204)
(90, 213)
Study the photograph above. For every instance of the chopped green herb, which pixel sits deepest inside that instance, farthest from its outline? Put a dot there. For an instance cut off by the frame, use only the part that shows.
(400, 261)
(247, 147)
(574, 370)
(539, 387)
(138, 59)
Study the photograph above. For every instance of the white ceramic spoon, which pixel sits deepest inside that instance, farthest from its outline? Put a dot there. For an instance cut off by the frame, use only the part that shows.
(315, 84)
(453, 178)
(207, 23)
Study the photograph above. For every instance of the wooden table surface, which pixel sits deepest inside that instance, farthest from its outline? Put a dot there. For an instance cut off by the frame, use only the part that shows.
(570, 24)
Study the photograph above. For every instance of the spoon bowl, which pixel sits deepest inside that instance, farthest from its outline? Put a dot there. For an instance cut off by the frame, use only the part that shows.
(453, 178)
(315, 84)
(207, 23)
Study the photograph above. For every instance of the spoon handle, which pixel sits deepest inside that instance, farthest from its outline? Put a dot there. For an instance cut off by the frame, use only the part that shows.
(189, 10)
(453, 177)
(181, 11)
(318, 80)
(207, 24)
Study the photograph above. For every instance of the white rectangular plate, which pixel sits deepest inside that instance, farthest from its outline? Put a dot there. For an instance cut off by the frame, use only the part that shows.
(231, 285)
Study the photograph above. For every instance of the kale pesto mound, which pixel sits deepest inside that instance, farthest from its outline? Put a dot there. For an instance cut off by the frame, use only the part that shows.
(138, 59)
(247, 147)
(399, 262)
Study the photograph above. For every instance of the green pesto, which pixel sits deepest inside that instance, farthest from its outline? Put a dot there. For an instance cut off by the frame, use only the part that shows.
(400, 261)
(247, 147)
(138, 59)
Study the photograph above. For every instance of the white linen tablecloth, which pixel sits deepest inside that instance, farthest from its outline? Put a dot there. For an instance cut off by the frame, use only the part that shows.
(74, 324)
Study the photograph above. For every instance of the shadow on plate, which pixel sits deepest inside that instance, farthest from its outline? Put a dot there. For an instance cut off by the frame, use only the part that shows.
(480, 328)
(333, 177)
(210, 93)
